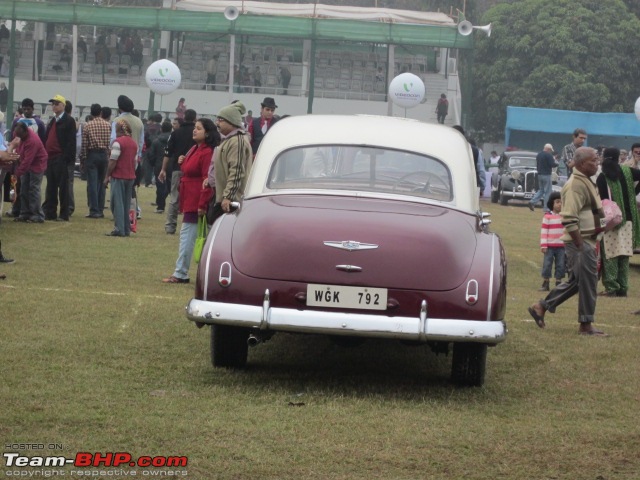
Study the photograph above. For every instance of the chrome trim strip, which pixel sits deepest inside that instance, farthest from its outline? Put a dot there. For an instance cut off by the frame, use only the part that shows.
(359, 325)
(266, 307)
(208, 264)
(349, 268)
(491, 271)
(423, 321)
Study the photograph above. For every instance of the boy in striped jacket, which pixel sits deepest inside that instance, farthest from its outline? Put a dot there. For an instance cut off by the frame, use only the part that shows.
(550, 244)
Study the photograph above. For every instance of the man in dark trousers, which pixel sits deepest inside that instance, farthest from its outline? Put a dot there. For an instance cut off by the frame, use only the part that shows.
(94, 157)
(155, 155)
(259, 126)
(582, 219)
(545, 165)
(179, 143)
(35, 124)
(442, 109)
(61, 149)
(285, 78)
(151, 131)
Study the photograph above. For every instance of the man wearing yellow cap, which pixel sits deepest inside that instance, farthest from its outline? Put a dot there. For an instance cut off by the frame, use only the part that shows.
(60, 144)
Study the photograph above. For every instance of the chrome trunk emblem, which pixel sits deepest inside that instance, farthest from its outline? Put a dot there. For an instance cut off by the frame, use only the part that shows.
(349, 268)
(350, 245)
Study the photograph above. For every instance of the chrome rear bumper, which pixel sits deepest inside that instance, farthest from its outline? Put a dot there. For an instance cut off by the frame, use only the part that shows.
(420, 327)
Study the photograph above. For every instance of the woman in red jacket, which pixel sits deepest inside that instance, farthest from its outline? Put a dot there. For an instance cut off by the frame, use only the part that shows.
(194, 198)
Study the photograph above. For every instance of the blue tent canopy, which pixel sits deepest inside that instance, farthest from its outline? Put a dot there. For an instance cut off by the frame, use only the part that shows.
(531, 128)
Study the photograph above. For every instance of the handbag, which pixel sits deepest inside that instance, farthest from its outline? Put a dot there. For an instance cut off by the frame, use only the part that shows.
(200, 239)
(612, 214)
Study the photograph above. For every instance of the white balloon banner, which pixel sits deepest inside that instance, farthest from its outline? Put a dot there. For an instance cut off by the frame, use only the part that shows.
(406, 90)
(637, 108)
(163, 77)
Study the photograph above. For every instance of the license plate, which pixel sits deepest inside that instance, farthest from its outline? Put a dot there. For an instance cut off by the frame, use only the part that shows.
(338, 296)
(528, 195)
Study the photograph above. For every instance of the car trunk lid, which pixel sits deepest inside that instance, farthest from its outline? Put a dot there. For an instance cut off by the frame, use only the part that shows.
(419, 246)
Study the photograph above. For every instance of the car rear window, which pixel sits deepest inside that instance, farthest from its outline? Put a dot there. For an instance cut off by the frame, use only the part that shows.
(370, 169)
(523, 162)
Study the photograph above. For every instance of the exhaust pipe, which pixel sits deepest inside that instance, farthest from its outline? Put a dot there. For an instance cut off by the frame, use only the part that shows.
(253, 340)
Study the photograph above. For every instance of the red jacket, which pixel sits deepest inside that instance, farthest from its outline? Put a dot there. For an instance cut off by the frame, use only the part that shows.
(33, 156)
(195, 169)
(126, 164)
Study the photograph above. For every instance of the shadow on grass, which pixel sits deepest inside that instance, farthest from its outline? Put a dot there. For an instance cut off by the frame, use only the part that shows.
(308, 363)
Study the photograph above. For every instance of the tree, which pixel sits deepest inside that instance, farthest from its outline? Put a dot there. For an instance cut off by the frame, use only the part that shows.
(562, 54)
(633, 6)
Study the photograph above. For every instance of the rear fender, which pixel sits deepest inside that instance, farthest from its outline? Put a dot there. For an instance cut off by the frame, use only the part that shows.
(217, 250)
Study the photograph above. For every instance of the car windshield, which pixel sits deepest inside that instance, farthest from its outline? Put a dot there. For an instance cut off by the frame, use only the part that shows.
(370, 169)
(522, 162)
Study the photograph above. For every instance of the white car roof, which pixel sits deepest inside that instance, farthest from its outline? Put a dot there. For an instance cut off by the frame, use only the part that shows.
(435, 140)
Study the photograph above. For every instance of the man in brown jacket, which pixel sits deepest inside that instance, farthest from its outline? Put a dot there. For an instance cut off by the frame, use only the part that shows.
(582, 220)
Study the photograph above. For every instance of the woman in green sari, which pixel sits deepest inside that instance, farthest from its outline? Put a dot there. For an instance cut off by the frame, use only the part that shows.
(616, 182)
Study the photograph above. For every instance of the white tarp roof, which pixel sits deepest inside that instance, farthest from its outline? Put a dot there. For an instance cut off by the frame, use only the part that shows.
(310, 10)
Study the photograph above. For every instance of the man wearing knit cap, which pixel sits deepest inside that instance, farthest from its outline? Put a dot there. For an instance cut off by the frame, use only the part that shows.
(545, 164)
(233, 158)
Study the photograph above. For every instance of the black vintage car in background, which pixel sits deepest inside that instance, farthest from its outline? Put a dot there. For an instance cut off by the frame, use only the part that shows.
(517, 177)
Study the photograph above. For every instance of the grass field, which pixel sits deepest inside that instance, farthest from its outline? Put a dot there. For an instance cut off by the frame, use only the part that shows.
(97, 356)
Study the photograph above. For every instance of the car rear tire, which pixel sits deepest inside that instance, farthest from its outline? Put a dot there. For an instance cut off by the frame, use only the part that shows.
(469, 364)
(229, 346)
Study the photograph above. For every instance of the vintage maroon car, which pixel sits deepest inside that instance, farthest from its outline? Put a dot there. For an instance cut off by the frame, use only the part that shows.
(356, 227)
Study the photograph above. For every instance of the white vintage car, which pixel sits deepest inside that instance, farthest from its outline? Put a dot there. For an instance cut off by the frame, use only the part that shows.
(356, 227)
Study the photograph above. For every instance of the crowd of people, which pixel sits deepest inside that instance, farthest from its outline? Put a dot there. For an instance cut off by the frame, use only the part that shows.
(578, 234)
(251, 81)
(199, 167)
(127, 43)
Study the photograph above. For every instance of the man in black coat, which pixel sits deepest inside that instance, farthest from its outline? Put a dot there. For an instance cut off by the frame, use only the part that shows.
(61, 147)
(179, 143)
(259, 126)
